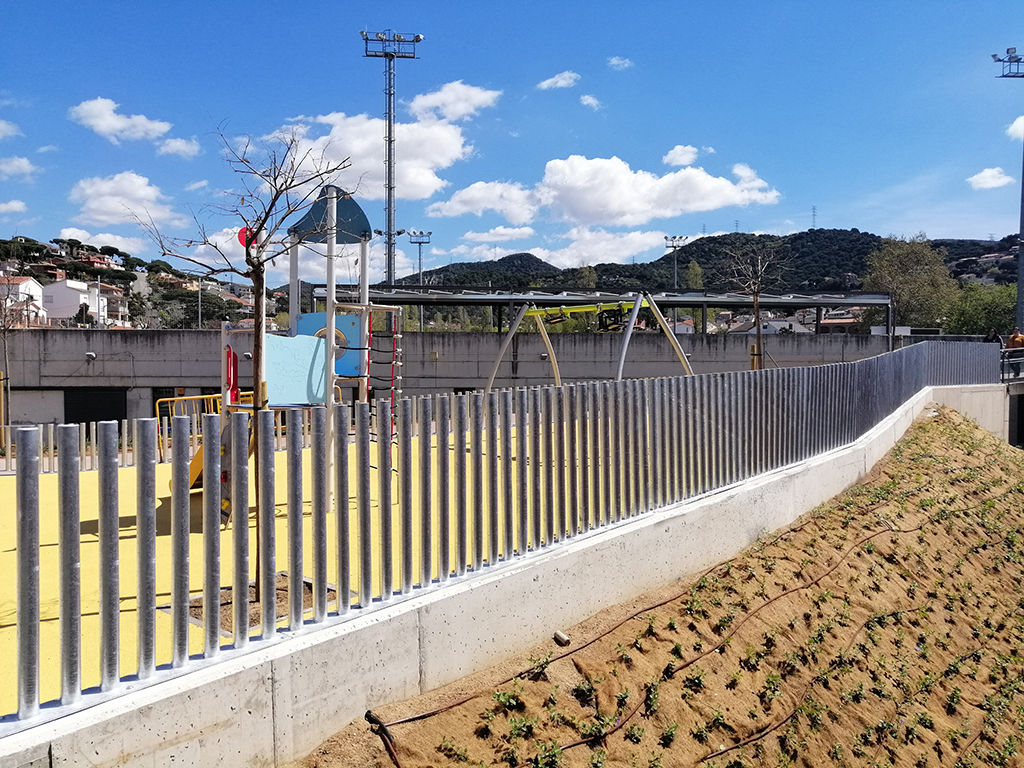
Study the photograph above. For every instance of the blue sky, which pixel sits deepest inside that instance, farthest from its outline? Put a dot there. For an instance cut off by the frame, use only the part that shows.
(583, 132)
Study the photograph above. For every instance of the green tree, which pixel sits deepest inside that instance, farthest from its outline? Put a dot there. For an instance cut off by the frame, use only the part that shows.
(980, 307)
(694, 276)
(915, 275)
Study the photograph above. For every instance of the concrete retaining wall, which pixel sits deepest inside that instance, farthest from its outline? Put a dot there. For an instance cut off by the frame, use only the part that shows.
(277, 702)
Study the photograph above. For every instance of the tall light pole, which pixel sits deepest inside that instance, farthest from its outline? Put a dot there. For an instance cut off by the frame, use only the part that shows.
(419, 239)
(675, 243)
(390, 45)
(1012, 68)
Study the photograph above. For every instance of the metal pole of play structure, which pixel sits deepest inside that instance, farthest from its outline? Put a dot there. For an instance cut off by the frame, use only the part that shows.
(329, 346)
(293, 286)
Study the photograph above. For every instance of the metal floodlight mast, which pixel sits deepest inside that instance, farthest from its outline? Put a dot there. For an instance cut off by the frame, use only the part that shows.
(675, 242)
(1012, 68)
(419, 239)
(390, 45)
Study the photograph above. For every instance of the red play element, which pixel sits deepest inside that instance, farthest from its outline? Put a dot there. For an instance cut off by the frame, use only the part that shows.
(246, 237)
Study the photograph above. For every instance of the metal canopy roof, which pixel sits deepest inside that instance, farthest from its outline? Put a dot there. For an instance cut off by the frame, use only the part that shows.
(403, 295)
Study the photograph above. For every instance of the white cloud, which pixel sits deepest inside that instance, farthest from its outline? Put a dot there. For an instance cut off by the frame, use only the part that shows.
(1015, 130)
(100, 115)
(131, 245)
(421, 150)
(16, 166)
(13, 206)
(618, 62)
(186, 148)
(680, 154)
(453, 101)
(565, 79)
(513, 201)
(607, 191)
(119, 199)
(47, 148)
(990, 178)
(499, 234)
(590, 101)
(8, 129)
(197, 185)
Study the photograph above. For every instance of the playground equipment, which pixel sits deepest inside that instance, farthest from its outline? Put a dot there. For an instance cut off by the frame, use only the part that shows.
(295, 370)
(609, 318)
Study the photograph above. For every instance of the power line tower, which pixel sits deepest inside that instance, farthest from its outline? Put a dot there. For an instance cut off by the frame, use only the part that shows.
(814, 217)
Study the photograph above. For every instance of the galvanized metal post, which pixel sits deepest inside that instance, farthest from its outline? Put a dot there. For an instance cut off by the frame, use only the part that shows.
(444, 558)
(211, 535)
(493, 498)
(536, 463)
(109, 541)
(461, 523)
(522, 470)
(560, 438)
(476, 455)
(267, 540)
(426, 543)
(179, 539)
(145, 459)
(318, 461)
(387, 544)
(240, 526)
(342, 511)
(27, 519)
(68, 505)
(406, 472)
(549, 466)
(293, 448)
(508, 486)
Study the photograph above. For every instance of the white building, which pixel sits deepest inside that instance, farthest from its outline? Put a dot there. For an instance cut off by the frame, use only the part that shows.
(22, 297)
(63, 299)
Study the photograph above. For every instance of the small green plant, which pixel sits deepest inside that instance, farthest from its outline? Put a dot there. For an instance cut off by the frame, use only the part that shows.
(584, 692)
(511, 699)
(522, 727)
(953, 701)
(651, 698)
(701, 733)
(836, 752)
(669, 735)
(549, 755)
(622, 654)
(597, 759)
(651, 630)
(452, 752)
(622, 698)
(672, 625)
(694, 681)
(539, 666)
(634, 734)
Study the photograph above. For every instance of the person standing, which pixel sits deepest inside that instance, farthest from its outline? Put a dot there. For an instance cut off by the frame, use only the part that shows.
(992, 337)
(1015, 345)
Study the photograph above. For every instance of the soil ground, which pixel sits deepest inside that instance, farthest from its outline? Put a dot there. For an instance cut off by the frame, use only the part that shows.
(883, 628)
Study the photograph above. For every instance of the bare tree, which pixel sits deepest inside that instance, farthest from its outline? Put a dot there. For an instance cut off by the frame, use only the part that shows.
(279, 177)
(754, 268)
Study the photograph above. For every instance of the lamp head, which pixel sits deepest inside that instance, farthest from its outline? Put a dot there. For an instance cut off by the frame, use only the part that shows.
(362, 34)
(417, 38)
(90, 356)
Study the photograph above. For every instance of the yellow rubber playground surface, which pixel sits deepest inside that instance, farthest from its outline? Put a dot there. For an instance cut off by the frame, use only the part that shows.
(90, 630)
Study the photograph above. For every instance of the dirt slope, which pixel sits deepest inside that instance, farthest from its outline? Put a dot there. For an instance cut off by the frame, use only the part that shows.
(884, 628)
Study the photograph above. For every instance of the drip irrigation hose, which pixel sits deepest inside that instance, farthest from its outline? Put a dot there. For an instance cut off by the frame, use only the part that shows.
(888, 529)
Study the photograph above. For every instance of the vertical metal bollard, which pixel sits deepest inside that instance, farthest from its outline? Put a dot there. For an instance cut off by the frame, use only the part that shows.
(267, 532)
(613, 449)
(51, 446)
(655, 414)
(522, 471)
(342, 513)
(581, 416)
(240, 526)
(549, 466)
(179, 539)
(461, 523)
(144, 459)
(557, 424)
(293, 448)
(122, 450)
(318, 459)
(572, 404)
(536, 463)
(387, 544)
(598, 455)
(507, 473)
(211, 534)
(426, 492)
(626, 417)
(363, 503)
(477, 457)
(444, 549)
(405, 475)
(493, 498)
(27, 515)
(92, 445)
(110, 598)
(70, 565)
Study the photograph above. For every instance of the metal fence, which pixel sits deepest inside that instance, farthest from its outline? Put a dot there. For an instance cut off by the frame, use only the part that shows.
(466, 482)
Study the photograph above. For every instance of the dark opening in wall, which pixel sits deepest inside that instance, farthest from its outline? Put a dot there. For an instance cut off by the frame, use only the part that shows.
(95, 404)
